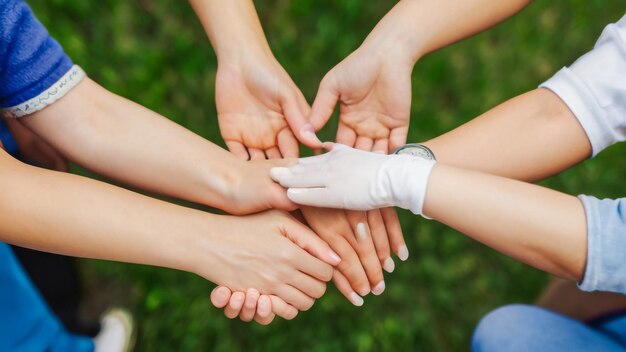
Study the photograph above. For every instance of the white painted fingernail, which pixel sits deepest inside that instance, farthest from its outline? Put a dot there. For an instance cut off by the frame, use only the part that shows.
(403, 252)
(379, 288)
(379, 152)
(356, 299)
(389, 265)
(361, 231)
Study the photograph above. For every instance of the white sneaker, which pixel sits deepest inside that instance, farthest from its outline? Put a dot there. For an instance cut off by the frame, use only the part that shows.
(116, 332)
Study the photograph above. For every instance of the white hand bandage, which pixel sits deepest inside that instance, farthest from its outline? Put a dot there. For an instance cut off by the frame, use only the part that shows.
(354, 179)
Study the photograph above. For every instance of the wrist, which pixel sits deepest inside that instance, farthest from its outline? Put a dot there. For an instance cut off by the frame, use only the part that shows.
(396, 35)
(407, 181)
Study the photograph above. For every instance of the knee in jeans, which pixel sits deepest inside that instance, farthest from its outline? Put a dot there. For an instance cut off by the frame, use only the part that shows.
(500, 326)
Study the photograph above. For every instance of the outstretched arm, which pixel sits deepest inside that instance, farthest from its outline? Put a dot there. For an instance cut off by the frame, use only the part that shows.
(373, 84)
(538, 226)
(68, 214)
(124, 141)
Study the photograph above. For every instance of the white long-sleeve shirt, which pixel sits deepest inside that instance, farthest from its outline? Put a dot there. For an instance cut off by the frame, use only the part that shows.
(594, 88)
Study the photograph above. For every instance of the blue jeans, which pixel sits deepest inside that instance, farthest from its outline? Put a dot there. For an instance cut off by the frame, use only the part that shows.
(26, 322)
(529, 328)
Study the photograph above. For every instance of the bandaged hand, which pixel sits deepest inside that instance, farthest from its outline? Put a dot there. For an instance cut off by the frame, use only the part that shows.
(354, 179)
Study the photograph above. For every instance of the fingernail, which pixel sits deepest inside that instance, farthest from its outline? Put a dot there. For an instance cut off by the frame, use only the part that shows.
(334, 256)
(379, 288)
(364, 291)
(379, 152)
(361, 231)
(389, 265)
(307, 131)
(403, 252)
(356, 299)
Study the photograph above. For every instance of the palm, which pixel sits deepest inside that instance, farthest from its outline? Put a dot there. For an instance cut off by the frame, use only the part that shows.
(375, 102)
(251, 112)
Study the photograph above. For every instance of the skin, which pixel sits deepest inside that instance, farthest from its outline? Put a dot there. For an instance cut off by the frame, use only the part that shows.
(262, 114)
(67, 214)
(373, 86)
(164, 158)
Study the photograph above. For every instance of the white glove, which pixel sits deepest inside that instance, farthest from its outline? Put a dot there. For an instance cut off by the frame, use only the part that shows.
(358, 180)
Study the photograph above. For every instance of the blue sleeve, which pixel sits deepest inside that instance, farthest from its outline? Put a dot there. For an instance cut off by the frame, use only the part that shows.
(606, 245)
(30, 60)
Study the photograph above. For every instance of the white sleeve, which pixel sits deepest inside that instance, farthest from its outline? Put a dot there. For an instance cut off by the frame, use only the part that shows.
(594, 88)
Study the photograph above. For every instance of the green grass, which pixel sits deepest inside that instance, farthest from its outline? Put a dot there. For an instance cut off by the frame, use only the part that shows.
(155, 53)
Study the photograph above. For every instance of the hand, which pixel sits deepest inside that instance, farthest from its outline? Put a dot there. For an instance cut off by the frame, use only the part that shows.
(268, 252)
(373, 88)
(34, 149)
(353, 179)
(252, 190)
(348, 234)
(258, 107)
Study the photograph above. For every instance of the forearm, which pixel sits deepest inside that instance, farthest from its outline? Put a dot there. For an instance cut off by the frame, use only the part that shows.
(538, 226)
(418, 27)
(530, 137)
(129, 143)
(233, 27)
(72, 215)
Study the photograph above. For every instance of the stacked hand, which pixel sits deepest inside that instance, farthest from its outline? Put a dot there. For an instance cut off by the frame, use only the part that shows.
(261, 111)
(263, 115)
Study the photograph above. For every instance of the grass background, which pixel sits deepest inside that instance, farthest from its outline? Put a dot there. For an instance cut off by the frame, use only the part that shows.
(155, 53)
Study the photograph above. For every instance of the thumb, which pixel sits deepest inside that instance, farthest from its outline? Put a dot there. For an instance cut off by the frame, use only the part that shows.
(296, 115)
(324, 103)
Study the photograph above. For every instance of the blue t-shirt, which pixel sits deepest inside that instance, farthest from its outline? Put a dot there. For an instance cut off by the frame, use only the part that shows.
(30, 60)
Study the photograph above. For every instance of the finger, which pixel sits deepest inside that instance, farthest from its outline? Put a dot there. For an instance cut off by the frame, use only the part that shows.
(324, 103)
(316, 197)
(238, 149)
(364, 143)
(249, 306)
(315, 264)
(273, 153)
(282, 308)
(264, 314)
(288, 144)
(264, 307)
(380, 238)
(362, 243)
(343, 285)
(295, 297)
(350, 265)
(220, 296)
(296, 114)
(345, 135)
(256, 154)
(289, 178)
(394, 232)
(308, 285)
(381, 146)
(264, 320)
(397, 138)
(233, 308)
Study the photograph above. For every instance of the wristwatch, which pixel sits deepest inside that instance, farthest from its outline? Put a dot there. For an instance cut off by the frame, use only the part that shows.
(416, 150)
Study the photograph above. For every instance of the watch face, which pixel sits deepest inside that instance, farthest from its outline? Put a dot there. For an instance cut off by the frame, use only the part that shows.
(416, 150)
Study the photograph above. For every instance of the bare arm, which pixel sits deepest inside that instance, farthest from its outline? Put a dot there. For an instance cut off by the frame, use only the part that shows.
(543, 228)
(129, 143)
(529, 137)
(536, 225)
(73, 215)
